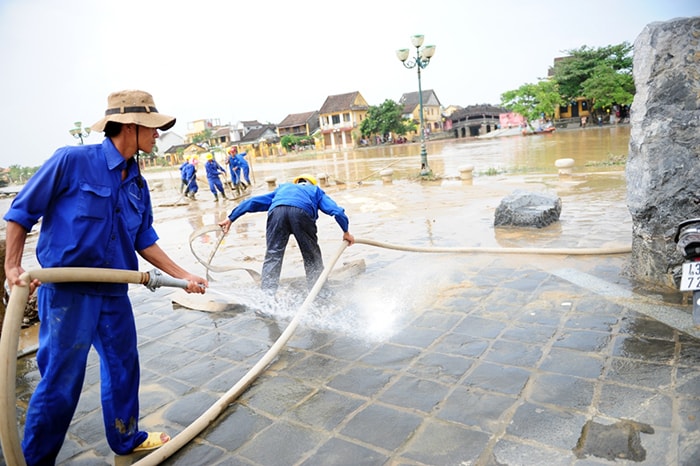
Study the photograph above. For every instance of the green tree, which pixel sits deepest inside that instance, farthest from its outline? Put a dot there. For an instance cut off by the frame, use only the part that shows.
(288, 141)
(203, 136)
(384, 119)
(533, 100)
(292, 142)
(607, 87)
(603, 75)
(19, 174)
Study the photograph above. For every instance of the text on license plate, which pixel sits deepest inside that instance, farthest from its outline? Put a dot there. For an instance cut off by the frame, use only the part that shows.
(690, 280)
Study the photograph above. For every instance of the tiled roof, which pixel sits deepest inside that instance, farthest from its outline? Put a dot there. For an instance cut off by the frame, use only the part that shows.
(222, 131)
(472, 110)
(339, 103)
(175, 148)
(254, 135)
(297, 119)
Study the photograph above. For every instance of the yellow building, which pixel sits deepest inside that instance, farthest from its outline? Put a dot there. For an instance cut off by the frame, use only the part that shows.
(432, 110)
(340, 118)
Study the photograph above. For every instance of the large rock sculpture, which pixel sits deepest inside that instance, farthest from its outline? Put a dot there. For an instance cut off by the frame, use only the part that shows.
(526, 209)
(663, 166)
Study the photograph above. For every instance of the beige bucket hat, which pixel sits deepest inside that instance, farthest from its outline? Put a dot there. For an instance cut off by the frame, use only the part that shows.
(134, 107)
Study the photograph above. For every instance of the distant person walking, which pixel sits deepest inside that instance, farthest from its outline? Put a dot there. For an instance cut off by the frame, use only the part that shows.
(213, 170)
(183, 180)
(240, 165)
(189, 173)
(233, 166)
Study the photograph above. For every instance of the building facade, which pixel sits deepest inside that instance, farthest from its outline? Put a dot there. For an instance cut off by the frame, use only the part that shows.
(340, 117)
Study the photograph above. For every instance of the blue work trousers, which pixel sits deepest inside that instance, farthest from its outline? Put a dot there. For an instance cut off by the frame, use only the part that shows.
(70, 324)
(246, 173)
(283, 221)
(234, 176)
(215, 185)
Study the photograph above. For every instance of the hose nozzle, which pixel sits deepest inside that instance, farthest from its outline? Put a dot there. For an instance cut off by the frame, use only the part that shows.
(156, 279)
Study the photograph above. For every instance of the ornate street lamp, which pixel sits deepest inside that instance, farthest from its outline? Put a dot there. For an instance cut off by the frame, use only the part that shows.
(79, 132)
(419, 62)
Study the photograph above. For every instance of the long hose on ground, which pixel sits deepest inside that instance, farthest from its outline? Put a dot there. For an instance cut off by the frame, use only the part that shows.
(9, 437)
(203, 421)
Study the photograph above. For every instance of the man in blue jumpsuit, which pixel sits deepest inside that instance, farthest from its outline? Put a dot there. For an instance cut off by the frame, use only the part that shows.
(183, 180)
(243, 168)
(189, 173)
(292, 209)
(96, 212)
(213, 169)
(233, 166)
(240, 169)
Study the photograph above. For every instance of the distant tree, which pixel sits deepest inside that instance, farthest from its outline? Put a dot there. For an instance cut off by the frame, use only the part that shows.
(19, 174)
(288, 141)
(203, 136)
(292, 142)
(603, 75)
(533, 100)
(607, 87)
(384, 119)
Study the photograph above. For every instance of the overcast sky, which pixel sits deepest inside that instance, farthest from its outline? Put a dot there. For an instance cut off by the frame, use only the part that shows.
(233, 61)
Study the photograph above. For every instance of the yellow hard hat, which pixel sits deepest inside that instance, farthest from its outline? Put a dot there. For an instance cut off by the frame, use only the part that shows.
(209, 156)
(305, 176)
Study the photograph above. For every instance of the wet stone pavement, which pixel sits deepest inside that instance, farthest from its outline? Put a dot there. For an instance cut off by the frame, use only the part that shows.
(441, 359)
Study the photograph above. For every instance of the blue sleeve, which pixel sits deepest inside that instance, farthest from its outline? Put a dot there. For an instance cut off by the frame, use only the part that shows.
(254, 204)
(329, 207)
(34, 199)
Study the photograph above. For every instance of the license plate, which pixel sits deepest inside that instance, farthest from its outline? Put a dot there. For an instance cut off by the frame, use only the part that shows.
(690, 281)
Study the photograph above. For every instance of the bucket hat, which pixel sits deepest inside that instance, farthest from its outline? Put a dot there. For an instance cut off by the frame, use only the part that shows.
(134, 106)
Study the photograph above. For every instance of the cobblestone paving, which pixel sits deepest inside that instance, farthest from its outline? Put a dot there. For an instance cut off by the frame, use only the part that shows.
(457, 360)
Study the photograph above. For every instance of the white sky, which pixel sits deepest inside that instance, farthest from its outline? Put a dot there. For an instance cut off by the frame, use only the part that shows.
(234, 60)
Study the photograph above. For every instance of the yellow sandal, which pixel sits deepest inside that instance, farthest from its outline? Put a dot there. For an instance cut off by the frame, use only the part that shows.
(153, 441)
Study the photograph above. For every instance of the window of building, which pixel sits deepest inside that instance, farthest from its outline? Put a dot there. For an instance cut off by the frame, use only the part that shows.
(346, 117)
(336, 119)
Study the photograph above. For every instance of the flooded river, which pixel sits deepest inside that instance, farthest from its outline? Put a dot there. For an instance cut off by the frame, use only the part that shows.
(445, 212)
(500, 165)
(591, 148)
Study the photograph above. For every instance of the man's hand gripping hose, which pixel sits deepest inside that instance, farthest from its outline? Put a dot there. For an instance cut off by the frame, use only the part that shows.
(9, 338)
(156, 279)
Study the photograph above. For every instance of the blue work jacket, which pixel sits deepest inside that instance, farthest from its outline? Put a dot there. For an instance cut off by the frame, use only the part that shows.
(306, 196)
(90, 217)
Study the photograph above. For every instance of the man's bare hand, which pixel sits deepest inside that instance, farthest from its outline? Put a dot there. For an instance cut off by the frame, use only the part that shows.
(196, 284)
(14, 277)
(225, 225)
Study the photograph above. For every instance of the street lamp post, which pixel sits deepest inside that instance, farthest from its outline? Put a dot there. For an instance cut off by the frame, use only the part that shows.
(79, 132)
(419, 62)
